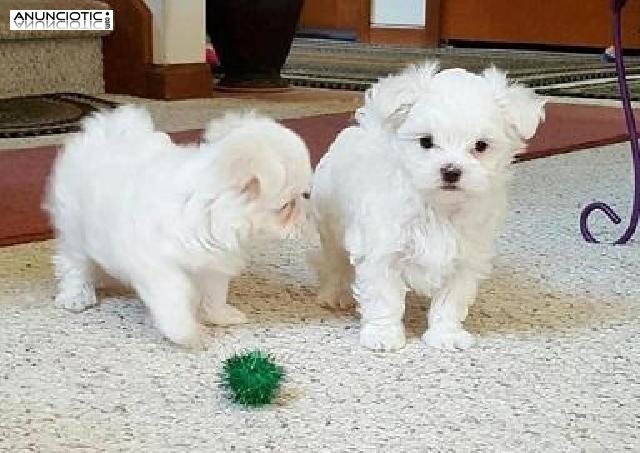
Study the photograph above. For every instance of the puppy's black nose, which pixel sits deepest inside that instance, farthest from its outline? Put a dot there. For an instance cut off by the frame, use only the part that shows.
(451, 173)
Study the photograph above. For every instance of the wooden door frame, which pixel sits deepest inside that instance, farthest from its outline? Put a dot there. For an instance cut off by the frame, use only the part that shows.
(128, 60)
(128, 50)
(363, 30)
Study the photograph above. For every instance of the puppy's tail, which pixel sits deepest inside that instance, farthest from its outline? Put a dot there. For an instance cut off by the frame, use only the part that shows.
(124, 122)
(220, 127)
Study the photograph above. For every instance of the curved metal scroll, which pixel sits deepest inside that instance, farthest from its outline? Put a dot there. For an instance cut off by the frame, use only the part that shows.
(617, 6)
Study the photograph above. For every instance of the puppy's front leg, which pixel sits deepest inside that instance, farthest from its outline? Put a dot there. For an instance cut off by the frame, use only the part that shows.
(380, 292)
(170, 294)
(448, 309)
(214, 309)
(76, 287)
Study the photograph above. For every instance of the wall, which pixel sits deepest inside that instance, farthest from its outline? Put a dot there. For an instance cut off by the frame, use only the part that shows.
(178, 31)
(584, 23)
(559, 22)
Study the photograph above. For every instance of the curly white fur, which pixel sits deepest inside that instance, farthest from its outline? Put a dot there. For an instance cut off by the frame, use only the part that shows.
(173, 222)
(396, 212)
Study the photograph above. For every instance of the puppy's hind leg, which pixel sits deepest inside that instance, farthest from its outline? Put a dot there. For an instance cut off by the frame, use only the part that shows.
(75, 275)
(214, 309)
(335, 273)
(171, 298)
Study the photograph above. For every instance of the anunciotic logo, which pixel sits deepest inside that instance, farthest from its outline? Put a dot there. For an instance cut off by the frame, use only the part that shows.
(61, 19)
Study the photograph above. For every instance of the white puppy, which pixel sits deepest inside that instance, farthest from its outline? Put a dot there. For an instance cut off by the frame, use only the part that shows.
(173, 222)
(412, 197)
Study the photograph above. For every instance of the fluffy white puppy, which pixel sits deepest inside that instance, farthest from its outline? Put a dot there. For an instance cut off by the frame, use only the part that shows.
(413, 195)
(172, 222)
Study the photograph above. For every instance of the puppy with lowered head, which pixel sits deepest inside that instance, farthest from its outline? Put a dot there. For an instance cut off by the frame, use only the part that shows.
(172, 222)
(413, 196)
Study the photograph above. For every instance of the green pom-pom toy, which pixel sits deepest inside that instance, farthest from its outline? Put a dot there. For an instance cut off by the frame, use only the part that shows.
(252, 378)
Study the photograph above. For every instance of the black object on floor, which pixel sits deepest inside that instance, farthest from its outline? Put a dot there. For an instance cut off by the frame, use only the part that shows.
(47, 114)
(252, 39)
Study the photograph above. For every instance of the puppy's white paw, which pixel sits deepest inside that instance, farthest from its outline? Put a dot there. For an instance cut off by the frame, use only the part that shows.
(194, 339)
(78, 299)
(343, 301)
(224, 315)
(448, 338)
(389, 337)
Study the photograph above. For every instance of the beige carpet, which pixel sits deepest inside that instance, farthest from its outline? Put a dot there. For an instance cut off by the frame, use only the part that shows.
(555, 369)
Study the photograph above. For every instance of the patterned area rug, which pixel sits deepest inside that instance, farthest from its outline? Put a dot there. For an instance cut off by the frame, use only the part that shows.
(354, 66)
(58, 113)
(597, 89)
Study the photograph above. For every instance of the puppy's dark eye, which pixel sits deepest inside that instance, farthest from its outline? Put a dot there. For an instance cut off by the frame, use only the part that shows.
(426, 142)
(306, 195)
(480, 146)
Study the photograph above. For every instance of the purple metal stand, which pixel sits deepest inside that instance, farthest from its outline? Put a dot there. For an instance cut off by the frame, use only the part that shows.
(617, 6)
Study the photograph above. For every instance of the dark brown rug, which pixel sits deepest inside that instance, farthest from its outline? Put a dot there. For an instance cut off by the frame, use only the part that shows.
(23, 172)
(58, 113)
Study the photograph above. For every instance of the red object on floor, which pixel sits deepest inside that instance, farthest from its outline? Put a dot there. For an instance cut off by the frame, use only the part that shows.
(210, 56)
(23, 173)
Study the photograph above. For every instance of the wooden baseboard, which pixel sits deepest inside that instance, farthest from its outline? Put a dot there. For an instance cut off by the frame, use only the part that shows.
(414, 37)
(179, 81)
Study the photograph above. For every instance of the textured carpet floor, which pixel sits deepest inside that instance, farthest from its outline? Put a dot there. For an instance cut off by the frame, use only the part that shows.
(555, 370)
(23, 172)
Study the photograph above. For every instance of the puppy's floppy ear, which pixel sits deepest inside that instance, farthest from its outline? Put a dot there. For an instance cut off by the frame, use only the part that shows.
(388, 102)
(522, 107)
(252, 171)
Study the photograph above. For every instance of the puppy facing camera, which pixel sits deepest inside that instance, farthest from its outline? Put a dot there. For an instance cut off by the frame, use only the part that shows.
(173, 222)
(413, 196)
